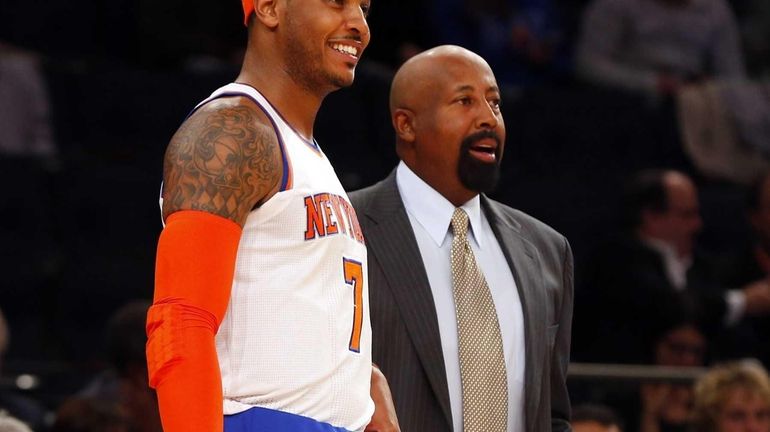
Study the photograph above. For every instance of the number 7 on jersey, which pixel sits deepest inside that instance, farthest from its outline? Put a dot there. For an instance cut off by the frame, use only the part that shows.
(354, 276)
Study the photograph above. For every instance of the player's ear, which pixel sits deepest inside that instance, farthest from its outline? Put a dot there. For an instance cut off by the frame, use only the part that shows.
(266, 11)
(403, 123)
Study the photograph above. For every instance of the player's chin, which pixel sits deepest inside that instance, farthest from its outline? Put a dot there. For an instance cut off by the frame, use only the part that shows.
(343, 77)
(344, 80)
(345, 73)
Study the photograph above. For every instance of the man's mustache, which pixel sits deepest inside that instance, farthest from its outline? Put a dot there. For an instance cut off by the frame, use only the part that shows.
(472, 139)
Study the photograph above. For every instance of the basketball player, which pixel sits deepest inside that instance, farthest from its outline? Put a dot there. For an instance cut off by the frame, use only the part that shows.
(259, 319)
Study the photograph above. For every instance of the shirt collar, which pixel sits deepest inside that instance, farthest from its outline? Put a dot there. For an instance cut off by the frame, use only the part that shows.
(431, 209)
(676, 266)
(666, 249)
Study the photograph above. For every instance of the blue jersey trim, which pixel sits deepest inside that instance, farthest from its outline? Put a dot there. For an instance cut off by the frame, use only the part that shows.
(260, 419)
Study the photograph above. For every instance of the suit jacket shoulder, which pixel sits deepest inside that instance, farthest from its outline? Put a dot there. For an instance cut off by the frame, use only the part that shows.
(362, 199)
(545, 239)
(529, 225)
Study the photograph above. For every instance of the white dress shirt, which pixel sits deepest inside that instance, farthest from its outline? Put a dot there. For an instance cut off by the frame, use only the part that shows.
(430, 215)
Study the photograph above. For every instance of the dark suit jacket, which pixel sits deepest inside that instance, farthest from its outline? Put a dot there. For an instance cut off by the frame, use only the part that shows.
(405, 332)
(628, 299)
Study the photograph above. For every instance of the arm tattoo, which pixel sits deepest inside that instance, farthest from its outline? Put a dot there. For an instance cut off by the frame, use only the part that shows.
(222, 162)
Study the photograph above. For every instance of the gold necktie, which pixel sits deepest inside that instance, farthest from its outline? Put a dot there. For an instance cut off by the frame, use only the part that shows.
(482, 365)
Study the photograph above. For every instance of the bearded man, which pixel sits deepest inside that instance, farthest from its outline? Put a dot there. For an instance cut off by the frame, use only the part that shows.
(470, 300)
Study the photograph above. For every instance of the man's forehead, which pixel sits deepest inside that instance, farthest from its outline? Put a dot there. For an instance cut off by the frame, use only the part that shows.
(468, 87)
(466, 76)
(445, 69)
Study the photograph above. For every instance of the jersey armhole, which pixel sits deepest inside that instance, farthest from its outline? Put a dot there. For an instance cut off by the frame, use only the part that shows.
(287, 178)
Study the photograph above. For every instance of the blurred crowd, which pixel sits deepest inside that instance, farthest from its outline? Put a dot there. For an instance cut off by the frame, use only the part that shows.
(639, 128)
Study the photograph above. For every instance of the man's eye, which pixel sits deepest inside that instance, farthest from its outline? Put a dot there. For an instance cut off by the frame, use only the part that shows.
(495, 104)
(464, 101)
(365, 7)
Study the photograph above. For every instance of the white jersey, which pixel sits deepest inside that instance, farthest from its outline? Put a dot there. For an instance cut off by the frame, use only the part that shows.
(296, 337)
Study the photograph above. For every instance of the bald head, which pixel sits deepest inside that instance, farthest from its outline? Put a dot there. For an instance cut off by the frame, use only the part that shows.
(668, 209)
(677, 180)
(420, 76)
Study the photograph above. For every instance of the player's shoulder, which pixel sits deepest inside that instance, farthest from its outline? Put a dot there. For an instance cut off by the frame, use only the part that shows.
(226, 148)
(229, 112)
(236, 122)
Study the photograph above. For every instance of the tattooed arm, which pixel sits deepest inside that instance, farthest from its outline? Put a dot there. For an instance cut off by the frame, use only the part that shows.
(225, 160)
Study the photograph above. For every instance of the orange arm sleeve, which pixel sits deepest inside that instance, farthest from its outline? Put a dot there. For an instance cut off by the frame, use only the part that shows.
(193, 277)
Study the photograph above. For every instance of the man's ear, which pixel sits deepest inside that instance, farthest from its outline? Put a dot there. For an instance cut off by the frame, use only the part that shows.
(266, 12)
(403, 123)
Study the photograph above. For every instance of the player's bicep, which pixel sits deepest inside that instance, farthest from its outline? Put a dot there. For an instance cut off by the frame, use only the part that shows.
(225, 159)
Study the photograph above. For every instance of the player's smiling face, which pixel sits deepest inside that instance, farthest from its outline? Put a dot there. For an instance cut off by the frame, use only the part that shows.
(325, 40)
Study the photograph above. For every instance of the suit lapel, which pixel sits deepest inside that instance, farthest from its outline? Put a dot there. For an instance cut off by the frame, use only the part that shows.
(524, 262)
(391, 240)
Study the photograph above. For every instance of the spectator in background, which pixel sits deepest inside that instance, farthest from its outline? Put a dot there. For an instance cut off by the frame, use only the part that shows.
(657, 405)
(749, 264)
(595, 418)
(733, 397)
(78, 414)
(119, 399)
(25, 127)
(653, 274)
(757, 262)
(17, 405)
(655, 46)
(27, 157)
(125, 383)
(666, 407)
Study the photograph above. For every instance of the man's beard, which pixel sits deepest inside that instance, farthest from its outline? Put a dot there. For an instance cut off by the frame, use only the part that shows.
(474, 174)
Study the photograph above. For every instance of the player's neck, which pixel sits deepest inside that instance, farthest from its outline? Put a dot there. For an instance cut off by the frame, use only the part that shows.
(297, 105)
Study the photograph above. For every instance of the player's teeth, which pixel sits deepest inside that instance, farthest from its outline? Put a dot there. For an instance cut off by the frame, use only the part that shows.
(345, 49)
